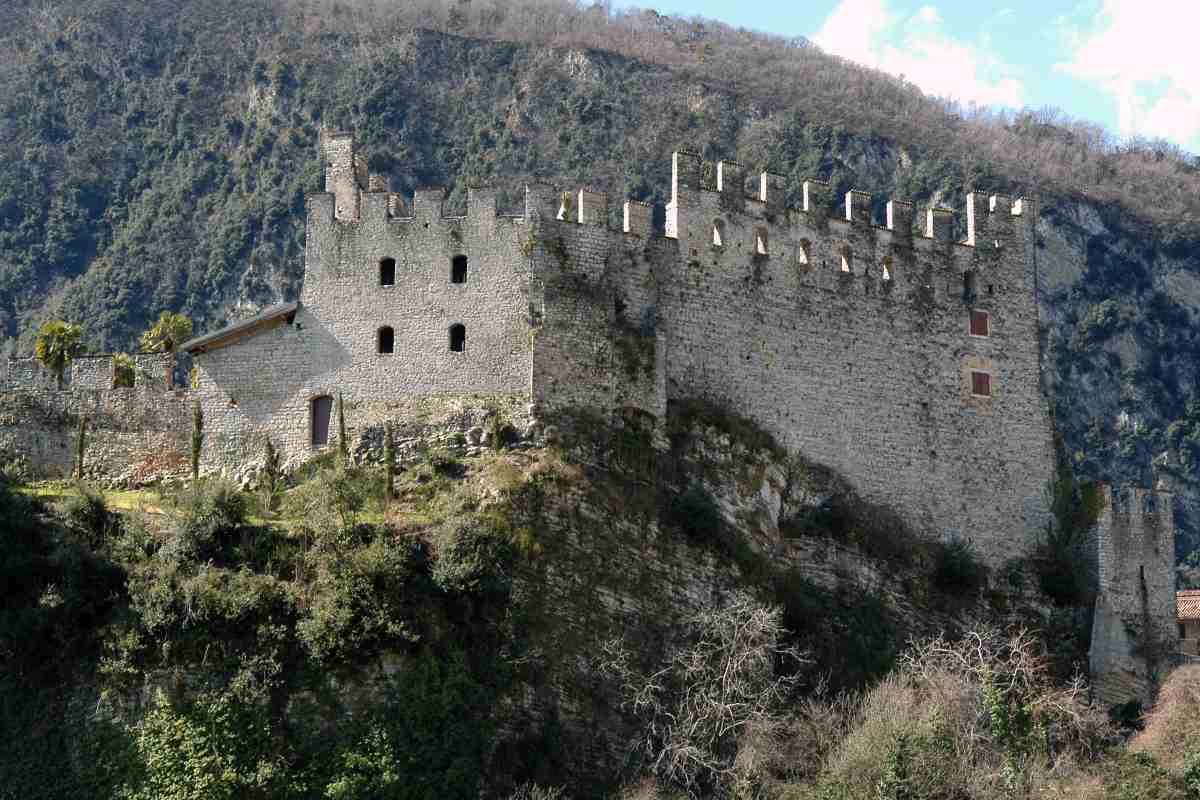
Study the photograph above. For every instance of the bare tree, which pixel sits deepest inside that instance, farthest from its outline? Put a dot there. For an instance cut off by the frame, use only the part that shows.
(729, 671)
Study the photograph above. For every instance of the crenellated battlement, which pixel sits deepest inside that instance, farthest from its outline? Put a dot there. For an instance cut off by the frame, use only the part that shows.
(92, 372)
(353, 196)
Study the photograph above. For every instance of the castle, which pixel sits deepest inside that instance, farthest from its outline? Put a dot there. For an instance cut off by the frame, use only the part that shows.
(904, 359)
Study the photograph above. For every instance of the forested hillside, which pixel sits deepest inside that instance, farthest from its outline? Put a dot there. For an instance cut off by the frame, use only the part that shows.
(156, 156)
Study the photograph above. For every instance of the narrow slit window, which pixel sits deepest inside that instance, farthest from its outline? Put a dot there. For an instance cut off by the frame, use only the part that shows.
(387, 272)
(718, 233)
(980, 324)
(886, 273)
(970, 286)
(803, 252)
(320, 408)
(458, 269)
(761, 244)
(981, 384)
(386, 341)
(458, 338)
(847, 260)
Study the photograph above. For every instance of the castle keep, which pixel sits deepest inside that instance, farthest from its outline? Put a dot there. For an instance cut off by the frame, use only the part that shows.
(894, 354)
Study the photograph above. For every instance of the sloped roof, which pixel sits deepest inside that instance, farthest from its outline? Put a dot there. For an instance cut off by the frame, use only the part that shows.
(1187, 603)
(268, 318)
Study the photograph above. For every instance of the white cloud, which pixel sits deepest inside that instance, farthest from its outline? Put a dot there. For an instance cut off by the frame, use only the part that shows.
(1148, 62)
(918, 47)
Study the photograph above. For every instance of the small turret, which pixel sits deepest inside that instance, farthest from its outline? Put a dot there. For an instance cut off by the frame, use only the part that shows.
(342, 173)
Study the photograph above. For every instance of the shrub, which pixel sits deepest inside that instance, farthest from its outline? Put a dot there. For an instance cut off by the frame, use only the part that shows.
(729, 672)
(209, 515)
(695, 513)
(124, 376)
(956, 570)
(326, 507)
(87, 516)
(427, 739)
(211, 747)
(475, 554)
(974, 718)
(360, 601)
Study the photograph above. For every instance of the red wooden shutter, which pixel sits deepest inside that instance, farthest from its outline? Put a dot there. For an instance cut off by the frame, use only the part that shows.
(979, 323)
(981, 384)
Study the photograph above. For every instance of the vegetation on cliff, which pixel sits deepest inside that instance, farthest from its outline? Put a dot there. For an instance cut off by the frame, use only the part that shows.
(582, 617)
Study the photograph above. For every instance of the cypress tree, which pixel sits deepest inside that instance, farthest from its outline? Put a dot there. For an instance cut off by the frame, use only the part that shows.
(389, 460)
(343, 442)
(197, 438)
(271, 475)
(80, 446)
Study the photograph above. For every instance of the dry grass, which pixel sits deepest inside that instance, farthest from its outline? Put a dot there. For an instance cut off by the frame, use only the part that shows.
(1172, 732)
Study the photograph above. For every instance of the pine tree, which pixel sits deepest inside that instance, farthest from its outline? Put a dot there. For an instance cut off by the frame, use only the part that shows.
(197, 438)
(81, 446)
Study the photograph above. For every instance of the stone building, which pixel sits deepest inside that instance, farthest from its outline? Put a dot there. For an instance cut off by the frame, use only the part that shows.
(1187, 605)
(904, 359)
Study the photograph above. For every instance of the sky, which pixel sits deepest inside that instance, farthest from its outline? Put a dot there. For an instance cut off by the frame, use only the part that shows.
(1132, 66)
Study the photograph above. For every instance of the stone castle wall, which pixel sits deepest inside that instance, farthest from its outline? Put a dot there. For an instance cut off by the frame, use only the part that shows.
(851, 342)
(847, 340)
(135, 434)
(1134, 628)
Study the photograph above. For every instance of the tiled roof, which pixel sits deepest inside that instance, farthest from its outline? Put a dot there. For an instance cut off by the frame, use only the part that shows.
(237, 330)
(1188, 604)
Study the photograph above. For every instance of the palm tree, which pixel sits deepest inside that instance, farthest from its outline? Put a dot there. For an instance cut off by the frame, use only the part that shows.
(56, 344)
(169, 332)
(164, 336)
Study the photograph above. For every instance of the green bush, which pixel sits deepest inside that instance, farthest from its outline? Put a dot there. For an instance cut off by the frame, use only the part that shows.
(696, 514)
(475, 554)
(361, 602)
(426, 741)
(209, 516)
(328, 506)
(210, 748)
(956, 570)
(86, 515)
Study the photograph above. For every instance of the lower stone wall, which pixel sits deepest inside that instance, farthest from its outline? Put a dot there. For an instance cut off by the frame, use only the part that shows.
(135, 436)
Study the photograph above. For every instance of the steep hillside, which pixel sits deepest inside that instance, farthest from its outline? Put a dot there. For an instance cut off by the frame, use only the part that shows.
(479, 630)
(157, 155)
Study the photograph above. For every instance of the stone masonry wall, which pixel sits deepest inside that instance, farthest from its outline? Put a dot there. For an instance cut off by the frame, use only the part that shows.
(848, 341)
(792, 321)
(264, 384)
(1134, 630)
(135, 434)
(595, 296)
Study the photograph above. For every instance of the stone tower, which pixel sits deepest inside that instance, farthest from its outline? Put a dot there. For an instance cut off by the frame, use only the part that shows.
(1133, 631)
